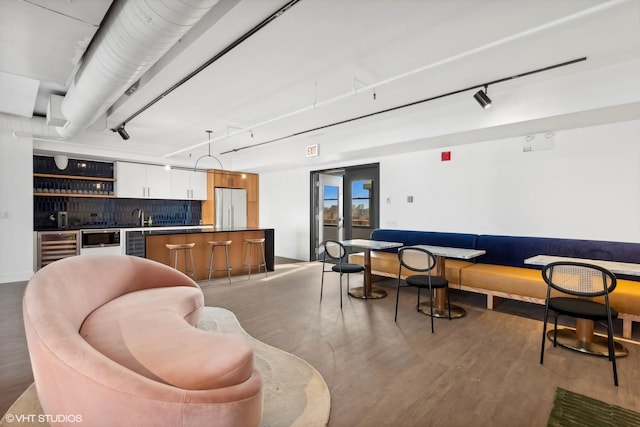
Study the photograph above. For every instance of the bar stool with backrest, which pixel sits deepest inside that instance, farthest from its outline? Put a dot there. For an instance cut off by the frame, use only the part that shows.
(175, 249)
(422, 261)
(335, 253)
(580, 282)
(220, 244)
(251, 246)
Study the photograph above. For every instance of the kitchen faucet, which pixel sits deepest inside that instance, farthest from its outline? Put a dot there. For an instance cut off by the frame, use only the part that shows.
(141, 220)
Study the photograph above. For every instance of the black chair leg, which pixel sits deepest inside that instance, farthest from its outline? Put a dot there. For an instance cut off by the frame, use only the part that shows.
(555, 330)
(395, 319)
(322, 283)
(431, 308)
(612, 352)
(341, 289)
(544, 333)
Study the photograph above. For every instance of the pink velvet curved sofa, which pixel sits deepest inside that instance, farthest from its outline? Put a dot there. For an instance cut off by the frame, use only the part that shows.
(112, 340)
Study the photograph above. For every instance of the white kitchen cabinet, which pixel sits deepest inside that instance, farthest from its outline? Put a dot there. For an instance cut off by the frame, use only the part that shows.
(141, 181)
(199, 185)
(188, 185)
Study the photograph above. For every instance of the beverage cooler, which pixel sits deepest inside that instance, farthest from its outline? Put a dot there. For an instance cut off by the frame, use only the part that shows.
(55, 245)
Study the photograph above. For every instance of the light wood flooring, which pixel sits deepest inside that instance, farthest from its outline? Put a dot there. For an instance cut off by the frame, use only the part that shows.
(480, 370)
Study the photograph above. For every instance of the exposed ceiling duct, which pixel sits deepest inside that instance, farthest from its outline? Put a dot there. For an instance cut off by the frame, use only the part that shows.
(135, 34)
(24, 126)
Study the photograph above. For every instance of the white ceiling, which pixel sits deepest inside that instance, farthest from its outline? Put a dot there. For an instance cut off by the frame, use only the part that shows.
(319, 63)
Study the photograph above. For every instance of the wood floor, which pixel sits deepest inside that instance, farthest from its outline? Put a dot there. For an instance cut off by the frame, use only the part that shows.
(480, 370)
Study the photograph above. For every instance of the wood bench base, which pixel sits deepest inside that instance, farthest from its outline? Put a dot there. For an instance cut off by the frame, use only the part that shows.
(385, 264)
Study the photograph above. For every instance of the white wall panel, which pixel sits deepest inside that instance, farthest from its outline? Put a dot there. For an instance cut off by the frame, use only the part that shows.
(586, 186)
(284, 206)
(16, 209)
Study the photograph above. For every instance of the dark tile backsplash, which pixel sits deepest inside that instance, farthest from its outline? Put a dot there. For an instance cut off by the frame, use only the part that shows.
(85, 212)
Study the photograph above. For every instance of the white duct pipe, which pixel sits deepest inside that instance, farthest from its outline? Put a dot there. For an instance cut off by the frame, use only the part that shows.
(24, 126)
(136, 34)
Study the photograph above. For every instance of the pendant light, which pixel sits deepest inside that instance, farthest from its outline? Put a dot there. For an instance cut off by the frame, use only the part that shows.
(195, 167)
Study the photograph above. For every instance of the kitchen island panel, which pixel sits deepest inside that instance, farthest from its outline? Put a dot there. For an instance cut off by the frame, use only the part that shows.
(156, 250)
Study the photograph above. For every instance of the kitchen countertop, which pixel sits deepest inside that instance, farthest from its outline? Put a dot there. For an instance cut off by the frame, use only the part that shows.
(193, 230)
(128, 228)
(174, 229)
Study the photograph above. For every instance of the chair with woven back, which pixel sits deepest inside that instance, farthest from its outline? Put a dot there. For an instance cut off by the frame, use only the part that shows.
(335, 254)
(570, 292)
(421, 261)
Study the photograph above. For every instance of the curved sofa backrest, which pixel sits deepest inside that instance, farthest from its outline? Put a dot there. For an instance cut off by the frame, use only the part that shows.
(65, 292)
(59, 297)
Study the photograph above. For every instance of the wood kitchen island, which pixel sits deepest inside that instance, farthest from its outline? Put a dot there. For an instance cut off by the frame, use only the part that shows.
(155, 241)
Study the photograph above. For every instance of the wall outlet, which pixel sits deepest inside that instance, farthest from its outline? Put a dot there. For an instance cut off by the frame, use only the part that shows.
(4, 215)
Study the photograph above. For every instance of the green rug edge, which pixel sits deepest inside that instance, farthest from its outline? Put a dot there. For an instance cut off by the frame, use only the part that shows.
(573, 409)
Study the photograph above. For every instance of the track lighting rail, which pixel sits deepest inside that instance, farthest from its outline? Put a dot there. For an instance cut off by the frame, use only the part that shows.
(411, 104)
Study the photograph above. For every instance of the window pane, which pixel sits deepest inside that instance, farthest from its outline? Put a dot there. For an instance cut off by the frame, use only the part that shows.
(330, 210)
(361, 194)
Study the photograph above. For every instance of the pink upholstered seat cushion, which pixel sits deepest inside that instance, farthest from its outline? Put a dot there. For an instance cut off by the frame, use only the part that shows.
(150, 332)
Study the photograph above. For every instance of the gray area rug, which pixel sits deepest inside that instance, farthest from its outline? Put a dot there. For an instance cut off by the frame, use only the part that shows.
(295, 394)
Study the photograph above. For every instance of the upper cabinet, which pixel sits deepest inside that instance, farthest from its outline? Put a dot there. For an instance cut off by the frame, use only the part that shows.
(230, 179)
(188, 185)
(141, 181)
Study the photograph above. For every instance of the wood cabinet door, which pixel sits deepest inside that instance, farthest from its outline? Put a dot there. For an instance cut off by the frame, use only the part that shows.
(252, 188)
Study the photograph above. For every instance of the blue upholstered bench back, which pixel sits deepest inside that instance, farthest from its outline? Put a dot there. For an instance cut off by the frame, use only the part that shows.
(512, 251)
(413, 237)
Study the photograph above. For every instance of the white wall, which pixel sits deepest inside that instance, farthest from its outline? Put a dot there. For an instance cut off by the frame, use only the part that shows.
(16, 209)
(284, 206)
(587, 186)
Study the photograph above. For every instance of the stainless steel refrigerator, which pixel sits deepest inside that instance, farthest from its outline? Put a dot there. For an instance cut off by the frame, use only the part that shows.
(231, 208)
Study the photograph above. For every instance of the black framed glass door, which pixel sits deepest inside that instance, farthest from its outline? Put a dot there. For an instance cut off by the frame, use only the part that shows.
(344, 204)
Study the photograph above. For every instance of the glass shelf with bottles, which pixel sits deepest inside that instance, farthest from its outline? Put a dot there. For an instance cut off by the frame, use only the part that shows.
(72, 186)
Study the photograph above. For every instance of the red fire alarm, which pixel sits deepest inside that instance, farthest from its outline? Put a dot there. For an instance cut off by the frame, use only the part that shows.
(445, 156)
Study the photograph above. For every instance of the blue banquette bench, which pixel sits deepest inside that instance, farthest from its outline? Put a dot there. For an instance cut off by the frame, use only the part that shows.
(501, 271)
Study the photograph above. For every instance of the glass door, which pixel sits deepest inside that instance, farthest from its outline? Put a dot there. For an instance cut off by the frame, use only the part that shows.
(344, 204)
(362, 190)
(327, 209)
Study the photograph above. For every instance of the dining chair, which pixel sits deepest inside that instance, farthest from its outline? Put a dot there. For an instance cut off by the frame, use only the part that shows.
(421, 261)
(580, 282)
(335, 254)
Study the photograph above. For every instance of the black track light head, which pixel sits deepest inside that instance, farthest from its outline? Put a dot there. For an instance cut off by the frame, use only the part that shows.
(122, 132)
(482, 98)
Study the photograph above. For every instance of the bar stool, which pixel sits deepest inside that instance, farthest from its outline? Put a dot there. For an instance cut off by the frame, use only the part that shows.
(220, 244)
(254, 245)
(175, 248)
